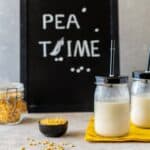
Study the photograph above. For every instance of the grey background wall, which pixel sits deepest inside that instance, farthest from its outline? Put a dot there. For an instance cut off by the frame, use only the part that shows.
(9, 40)
(134, 36)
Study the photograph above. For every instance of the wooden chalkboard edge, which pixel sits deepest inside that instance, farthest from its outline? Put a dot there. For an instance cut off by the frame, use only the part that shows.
(61, 108)
(23, 45)
(24, 63)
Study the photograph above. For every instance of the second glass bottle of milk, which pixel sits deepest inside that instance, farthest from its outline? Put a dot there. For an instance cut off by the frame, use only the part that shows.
(140, 99)
(112, 106)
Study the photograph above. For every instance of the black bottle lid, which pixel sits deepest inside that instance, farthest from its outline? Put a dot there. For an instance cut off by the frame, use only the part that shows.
(141, 74)
(111, 80)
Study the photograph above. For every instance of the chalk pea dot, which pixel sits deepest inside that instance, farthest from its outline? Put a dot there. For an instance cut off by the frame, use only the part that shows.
(56, 59)
(72, 69)
(61, 58)
(84, 10)
(96, 30)
(78, 71)
(88, 69)
(81, 68)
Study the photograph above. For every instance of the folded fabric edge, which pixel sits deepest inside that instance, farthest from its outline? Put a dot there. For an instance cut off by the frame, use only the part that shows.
(90, 139)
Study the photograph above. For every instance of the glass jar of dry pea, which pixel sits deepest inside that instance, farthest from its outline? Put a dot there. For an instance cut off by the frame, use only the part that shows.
(12, 104)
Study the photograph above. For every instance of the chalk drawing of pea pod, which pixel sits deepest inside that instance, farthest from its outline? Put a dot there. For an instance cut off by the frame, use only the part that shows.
(57, 48)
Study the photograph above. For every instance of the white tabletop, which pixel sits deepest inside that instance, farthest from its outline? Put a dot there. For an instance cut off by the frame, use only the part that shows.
(14, 137)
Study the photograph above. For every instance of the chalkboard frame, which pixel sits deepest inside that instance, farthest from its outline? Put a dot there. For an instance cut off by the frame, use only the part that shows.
(24, 72)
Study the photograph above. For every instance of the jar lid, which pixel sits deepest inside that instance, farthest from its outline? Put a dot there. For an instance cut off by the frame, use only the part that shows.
(11, 85)
(111, 80)
(141, 75)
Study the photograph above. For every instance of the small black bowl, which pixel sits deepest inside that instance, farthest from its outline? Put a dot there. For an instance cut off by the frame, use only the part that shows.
(53, 130)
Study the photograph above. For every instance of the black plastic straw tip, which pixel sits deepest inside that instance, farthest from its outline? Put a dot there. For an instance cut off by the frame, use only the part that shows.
(148, 66)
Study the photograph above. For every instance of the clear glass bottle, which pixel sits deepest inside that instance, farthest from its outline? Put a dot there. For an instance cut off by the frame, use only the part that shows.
(12, 104)
(140, 99)
(112, 106)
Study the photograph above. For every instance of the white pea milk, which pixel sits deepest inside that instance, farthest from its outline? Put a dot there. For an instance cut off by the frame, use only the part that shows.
(140, 110)
(112, 118)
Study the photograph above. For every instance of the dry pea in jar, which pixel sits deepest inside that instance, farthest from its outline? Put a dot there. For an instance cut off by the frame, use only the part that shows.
(12, 104)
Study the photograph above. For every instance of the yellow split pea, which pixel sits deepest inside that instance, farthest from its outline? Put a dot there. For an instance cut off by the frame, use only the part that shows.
(10, 107)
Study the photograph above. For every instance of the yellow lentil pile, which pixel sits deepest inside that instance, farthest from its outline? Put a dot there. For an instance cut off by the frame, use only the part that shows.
(53, 121)
(11, 108)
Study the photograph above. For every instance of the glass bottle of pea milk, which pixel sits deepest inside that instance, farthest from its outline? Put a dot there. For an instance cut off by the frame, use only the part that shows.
(112, 106)
(140, 99)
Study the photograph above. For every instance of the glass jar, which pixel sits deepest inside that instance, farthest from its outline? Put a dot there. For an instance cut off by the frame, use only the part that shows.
(112, 106)
(140, 99)
(12, 104)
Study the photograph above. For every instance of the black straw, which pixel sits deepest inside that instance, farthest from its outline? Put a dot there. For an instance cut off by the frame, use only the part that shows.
(114, 19)
(112, 58)
(148, 66)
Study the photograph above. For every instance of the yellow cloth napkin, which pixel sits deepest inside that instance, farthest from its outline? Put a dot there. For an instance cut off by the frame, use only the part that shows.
(135, 135)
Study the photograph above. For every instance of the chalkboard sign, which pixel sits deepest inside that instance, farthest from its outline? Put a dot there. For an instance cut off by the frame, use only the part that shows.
(64, 44)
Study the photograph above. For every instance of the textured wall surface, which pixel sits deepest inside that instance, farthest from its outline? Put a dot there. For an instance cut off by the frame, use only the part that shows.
(9, 40)
(134, 36)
